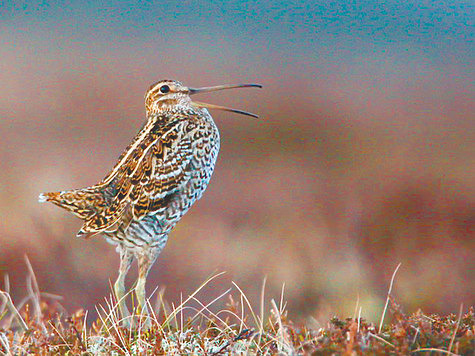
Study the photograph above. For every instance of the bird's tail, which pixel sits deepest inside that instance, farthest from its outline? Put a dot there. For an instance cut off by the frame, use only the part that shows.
(79, 201)
(88, 204)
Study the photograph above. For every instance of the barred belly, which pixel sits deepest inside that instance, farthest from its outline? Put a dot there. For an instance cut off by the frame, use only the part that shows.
(152, 230)
(147, 232)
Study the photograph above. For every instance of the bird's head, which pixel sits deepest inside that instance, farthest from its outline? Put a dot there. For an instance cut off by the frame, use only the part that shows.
(168, 95)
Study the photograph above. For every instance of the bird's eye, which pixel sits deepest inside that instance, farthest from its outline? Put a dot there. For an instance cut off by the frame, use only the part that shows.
(164, 89)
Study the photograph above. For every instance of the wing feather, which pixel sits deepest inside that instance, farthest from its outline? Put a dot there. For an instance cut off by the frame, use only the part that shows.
(153, 168)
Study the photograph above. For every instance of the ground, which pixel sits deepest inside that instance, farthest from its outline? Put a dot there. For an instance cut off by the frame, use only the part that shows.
(39, 327)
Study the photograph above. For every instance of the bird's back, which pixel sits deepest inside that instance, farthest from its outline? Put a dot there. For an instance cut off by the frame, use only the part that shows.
(157, 178)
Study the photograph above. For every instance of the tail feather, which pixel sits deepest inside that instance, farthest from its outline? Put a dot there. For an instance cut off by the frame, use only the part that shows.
(81, 202)
(90, 205)
(84, 234)
(42, 198)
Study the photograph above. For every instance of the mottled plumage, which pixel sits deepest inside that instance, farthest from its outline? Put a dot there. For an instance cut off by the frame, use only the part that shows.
(156, 180)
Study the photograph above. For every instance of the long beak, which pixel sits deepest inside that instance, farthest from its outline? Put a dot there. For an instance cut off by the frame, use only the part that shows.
(193, 91)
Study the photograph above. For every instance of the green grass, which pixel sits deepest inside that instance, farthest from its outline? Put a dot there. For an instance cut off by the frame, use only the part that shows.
(36, 326)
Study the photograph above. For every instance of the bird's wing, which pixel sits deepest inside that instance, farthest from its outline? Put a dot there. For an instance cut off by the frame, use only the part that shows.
(148, 173)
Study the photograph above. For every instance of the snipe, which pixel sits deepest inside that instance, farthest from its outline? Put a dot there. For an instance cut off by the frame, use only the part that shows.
(156, 180)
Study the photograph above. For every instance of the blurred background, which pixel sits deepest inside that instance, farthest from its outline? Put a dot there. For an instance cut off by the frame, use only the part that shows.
(363, 155)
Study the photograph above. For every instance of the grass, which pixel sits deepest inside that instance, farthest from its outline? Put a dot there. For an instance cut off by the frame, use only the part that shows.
(38, 326)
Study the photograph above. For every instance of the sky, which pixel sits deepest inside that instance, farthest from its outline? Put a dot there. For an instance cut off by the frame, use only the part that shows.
(367, 43)
(442, 30)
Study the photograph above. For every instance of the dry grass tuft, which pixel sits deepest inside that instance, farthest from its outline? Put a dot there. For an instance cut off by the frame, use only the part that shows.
(39, 326)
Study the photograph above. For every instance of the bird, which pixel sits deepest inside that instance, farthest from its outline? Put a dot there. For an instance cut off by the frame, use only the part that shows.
(155, 181)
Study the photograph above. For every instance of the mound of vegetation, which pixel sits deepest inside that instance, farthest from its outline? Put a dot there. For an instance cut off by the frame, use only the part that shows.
(38, 326)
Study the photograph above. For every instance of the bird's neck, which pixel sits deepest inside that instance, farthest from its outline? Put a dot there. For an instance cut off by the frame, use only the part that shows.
(185, 109)
(168, 107)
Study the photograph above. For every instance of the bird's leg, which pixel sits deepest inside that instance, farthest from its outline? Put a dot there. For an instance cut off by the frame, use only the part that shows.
(126, 259)
(145, 262)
